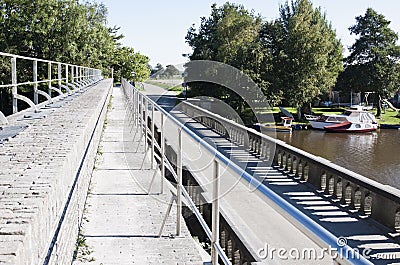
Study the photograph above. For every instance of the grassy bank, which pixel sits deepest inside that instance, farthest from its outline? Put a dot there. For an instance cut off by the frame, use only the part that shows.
(176, 88)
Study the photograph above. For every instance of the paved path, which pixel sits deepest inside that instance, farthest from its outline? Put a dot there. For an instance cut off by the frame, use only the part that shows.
(121, 221)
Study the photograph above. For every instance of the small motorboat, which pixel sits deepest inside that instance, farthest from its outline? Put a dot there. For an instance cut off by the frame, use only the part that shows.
(351, 127)
(285, 127)
(356, 116)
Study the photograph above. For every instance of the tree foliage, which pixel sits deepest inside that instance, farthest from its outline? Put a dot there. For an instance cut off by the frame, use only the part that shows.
(61, 30)
(69, 31)
(229, 35)
(296, 57)
(130, 65)
(373, 64)
(308, 57)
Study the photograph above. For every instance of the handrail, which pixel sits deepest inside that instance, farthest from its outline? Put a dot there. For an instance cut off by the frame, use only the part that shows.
(80, 75)
(309, 227)
(386, 200)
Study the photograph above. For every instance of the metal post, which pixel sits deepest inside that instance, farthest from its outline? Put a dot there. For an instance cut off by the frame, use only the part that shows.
(215, 214)
(66, 75)
(49, 78)
(140, 115)
(135, 107)
(179, 183)
(72, 74)
(59, 75)
(152, 136)
(14, 82)
(145, 123)
(35, 84)
(162, 153)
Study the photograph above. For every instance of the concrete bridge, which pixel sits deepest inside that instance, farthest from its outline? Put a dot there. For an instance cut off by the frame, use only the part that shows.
(122, 176)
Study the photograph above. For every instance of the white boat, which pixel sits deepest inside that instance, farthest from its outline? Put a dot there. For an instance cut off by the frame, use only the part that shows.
(357, 116)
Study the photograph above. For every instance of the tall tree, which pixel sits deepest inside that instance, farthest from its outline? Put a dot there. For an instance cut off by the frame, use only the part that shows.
(307, 57)
(130, 65)
(373, 64)
(230, 35)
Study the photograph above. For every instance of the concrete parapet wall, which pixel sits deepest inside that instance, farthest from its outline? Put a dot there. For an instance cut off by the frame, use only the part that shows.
(44, 176)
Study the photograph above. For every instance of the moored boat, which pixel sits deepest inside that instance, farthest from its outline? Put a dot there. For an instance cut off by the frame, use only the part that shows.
(285, 127)
(351, 127)
(357, 116)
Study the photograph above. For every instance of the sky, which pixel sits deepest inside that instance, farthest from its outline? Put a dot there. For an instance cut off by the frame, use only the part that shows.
(158, 28)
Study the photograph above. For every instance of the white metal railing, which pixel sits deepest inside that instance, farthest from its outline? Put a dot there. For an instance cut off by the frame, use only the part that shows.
(139, 106)
(75, 77)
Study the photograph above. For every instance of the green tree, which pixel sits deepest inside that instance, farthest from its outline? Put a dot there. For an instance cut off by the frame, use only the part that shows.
(230, 35)
(130, 65)
(373, 64)
(307, 57)
(69, 31)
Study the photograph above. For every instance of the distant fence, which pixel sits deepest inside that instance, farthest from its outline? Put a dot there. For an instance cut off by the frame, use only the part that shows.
(27, 78)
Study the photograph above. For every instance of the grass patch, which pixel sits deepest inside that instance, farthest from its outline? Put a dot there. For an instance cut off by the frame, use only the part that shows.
(390, 117)
(177, 88)
(159, 84)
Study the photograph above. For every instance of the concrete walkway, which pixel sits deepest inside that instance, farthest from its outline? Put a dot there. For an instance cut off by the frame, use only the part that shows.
(121, 221)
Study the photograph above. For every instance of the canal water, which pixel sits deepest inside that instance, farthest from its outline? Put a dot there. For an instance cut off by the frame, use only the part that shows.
(373, 155)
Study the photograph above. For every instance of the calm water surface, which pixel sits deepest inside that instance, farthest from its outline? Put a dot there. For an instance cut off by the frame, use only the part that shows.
(374, 155)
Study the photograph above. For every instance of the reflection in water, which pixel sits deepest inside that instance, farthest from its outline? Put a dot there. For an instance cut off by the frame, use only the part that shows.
(374, 155)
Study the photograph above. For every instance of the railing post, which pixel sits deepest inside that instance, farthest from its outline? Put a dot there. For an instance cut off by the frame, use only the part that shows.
(66, 75)
(162, 153)
(152, 136)
(59, 75)
(35, 84)
(145, 123)
(140, 114)
(14, 82)
(72, 74)
(215, 214)
(179, 183)
(49, 78)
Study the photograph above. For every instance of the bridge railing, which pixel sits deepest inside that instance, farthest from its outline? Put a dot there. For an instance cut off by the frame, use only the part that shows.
(143, 110)
(42, 77)
(360, 194)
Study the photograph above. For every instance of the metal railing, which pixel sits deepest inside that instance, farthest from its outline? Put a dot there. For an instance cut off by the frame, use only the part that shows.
(366, 196)
(139, 105)
(69, 78)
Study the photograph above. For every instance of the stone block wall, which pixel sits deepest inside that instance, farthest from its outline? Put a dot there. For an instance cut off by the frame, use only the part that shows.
(44, 176)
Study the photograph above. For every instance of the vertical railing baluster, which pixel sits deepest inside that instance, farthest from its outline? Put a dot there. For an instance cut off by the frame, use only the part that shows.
(145, 123)
(215, 214)
(14, 83)
(59, 75)
(49, 78)
(179, 183)
(152, 136)
(35, 83)
(162, 153)
(66, 75)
